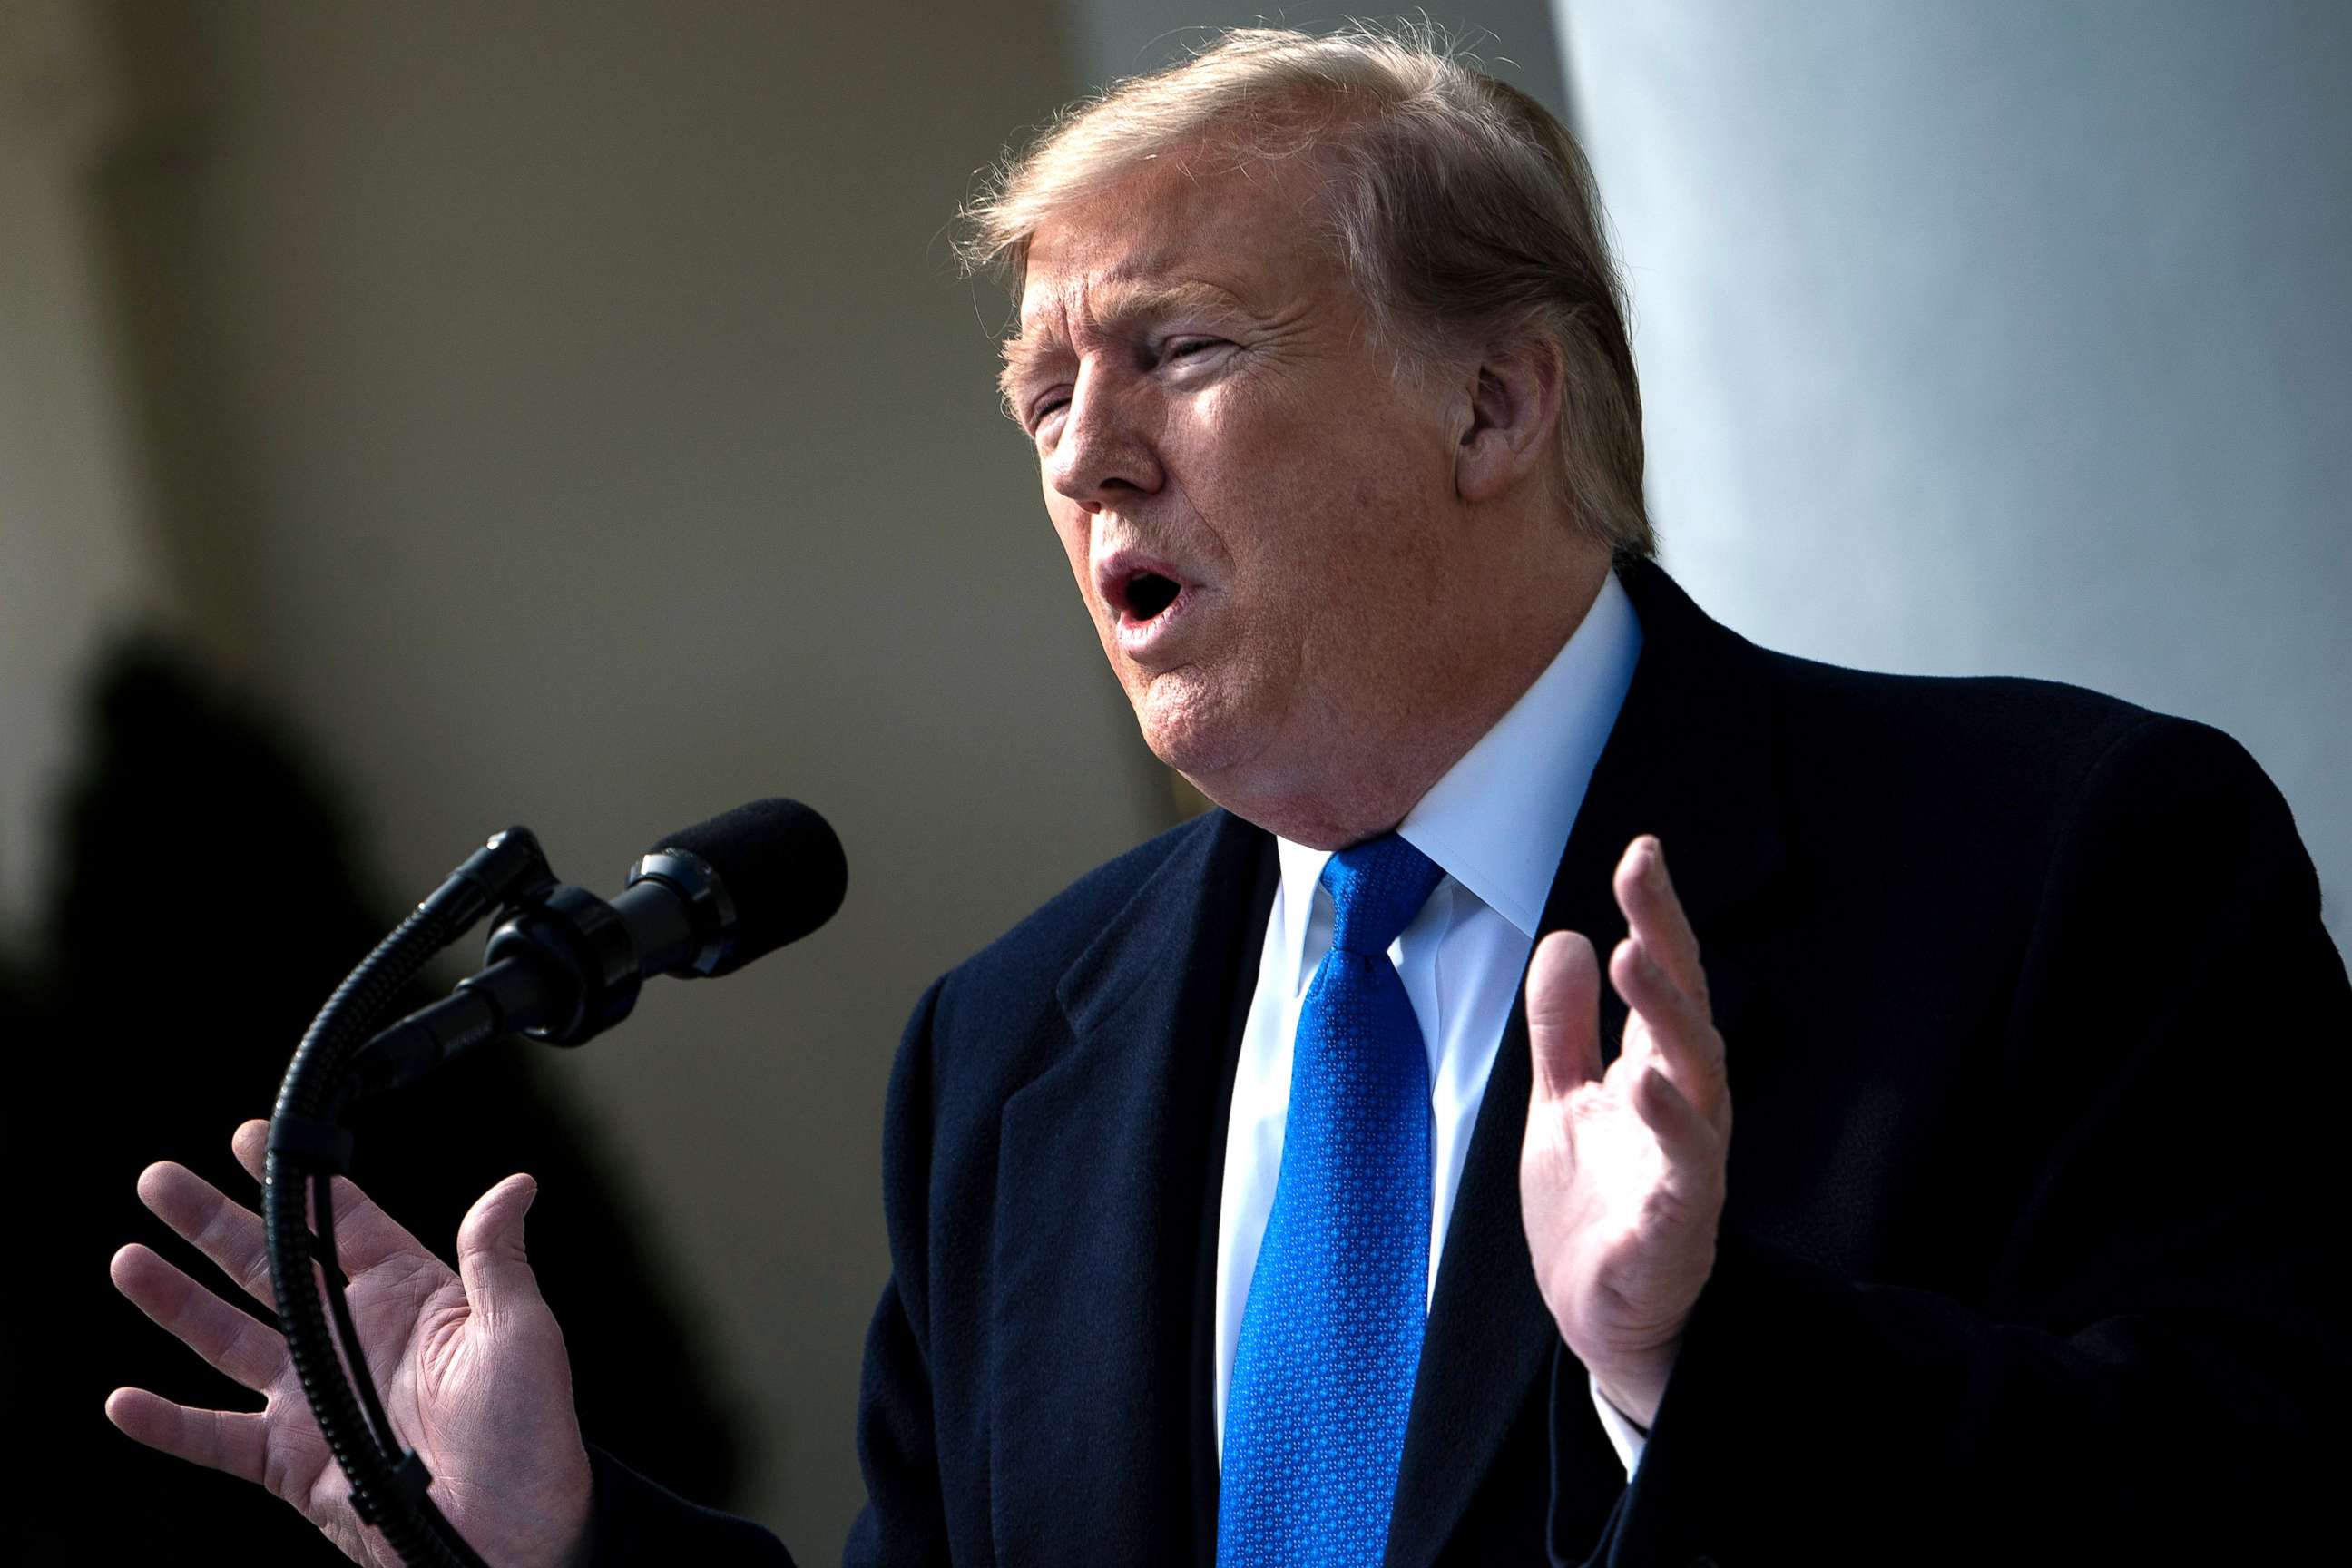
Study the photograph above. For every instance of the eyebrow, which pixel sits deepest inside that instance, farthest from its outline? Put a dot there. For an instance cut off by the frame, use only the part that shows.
(1122, 306)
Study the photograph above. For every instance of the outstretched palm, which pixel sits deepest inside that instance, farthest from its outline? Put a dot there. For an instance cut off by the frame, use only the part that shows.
(1621, 1174)
(471, 1365)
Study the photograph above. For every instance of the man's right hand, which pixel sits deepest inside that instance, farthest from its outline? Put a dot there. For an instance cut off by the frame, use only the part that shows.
(471, 1365)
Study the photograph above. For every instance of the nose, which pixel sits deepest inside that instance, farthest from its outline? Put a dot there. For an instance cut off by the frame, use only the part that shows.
(1104, 452)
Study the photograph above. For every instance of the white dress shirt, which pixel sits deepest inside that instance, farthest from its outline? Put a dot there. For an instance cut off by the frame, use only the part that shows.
(1497, 824)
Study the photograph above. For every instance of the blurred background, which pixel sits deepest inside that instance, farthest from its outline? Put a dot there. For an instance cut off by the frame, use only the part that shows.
(419, 418)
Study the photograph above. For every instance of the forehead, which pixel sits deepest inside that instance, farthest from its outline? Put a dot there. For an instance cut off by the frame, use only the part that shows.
(1169, 237)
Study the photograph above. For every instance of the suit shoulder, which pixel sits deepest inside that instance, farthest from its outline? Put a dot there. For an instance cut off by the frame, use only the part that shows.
(2074, 734)
(1992, 714)
(2017, 746)
(1030, 958)
(995, 1021)
(2007, 762)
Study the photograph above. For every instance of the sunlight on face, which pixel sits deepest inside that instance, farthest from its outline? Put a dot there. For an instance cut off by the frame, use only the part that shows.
(1253, 503)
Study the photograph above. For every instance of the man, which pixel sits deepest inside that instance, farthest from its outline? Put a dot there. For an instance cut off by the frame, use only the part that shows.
(1243, 1203)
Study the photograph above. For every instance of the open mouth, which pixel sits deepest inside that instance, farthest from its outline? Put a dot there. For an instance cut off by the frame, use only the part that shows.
(1147, 594)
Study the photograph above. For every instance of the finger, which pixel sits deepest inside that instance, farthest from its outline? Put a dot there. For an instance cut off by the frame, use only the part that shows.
(364, 1235)
(1691, 1145)
(1655, 911)
(225, 1231)
(250, 1143)
(236, 1441)
(1682, 1037)
(490, 1260)
(229, 1341)
(1563, 1014)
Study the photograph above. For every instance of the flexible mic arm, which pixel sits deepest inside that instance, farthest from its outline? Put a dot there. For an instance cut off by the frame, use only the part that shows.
(563, 965)
(309, 1148)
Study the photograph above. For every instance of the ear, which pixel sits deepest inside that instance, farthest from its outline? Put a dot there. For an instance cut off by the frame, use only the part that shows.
(1510, 425)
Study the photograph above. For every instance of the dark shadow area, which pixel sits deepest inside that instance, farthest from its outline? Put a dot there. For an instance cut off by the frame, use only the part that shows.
(210, 898)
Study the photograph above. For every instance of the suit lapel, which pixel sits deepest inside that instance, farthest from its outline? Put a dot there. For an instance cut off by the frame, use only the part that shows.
(1688, 759)
(1107, 1162)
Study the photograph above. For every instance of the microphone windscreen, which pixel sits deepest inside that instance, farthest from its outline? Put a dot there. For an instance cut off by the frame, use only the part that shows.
(781, 866)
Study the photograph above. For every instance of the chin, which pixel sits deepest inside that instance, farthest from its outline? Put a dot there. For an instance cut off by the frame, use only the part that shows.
(1191, 727)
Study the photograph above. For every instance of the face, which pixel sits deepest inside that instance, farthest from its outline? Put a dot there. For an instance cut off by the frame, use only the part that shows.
(1261, 514)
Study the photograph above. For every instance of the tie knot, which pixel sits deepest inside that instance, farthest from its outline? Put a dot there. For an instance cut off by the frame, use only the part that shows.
(1376, 888)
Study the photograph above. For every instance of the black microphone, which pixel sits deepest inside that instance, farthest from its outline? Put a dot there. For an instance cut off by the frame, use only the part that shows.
(566, 965)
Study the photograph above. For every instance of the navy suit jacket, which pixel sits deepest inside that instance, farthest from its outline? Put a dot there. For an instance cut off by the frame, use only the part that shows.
(2036, 1045)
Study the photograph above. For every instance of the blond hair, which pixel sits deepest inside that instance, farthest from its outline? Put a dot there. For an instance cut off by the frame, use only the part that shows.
(1464, 211)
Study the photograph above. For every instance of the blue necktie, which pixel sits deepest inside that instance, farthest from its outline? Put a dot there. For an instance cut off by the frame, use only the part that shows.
(1330, 1338)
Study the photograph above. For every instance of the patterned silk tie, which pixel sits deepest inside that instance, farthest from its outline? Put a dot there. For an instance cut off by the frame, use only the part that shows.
(1330, 1338)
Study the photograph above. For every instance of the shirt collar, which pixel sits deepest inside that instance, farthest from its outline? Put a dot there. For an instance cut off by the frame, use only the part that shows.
(1498, 822)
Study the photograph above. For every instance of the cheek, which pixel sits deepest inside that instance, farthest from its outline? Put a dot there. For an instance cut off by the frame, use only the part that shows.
(1248, 463)
(1311, 494)
(1072, 530)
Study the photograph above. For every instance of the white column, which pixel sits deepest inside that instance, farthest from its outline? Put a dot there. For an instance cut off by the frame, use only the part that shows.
(2011, 337)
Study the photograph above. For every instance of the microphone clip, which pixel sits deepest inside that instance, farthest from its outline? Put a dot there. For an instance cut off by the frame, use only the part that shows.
(578, 956)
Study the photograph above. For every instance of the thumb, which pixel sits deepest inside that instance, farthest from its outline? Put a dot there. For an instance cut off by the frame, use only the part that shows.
(1563, 1014)
(490, 1260)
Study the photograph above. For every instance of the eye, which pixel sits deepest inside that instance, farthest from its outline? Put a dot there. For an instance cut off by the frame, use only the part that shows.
(1188, 348)
(1046, 407)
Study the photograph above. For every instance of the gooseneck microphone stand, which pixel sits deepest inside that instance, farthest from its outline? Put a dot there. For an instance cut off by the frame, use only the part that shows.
(308, 1146)
(563, 965)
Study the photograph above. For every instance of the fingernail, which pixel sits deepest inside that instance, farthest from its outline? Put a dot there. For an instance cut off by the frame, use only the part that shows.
(1656, 872)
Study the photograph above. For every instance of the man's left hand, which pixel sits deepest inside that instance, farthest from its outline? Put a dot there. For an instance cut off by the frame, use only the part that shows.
(1620, 1179)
